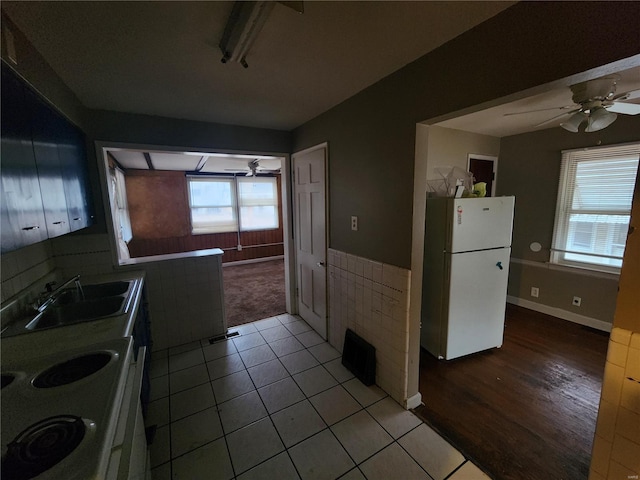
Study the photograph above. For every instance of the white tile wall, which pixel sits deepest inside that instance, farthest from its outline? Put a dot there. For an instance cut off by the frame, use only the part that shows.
(26, 271)
(22, 268)
(185, 295)
(82, 254)
(186, 301)
(372, 299)
(617, 440)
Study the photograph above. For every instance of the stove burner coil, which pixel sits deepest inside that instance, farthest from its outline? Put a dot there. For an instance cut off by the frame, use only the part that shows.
(41, 446)
(71, 370)
(7, 379)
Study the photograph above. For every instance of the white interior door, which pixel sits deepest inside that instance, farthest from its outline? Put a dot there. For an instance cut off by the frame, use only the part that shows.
(309, 170)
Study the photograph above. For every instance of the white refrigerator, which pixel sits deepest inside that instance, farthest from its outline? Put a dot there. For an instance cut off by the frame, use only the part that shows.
(466, 269)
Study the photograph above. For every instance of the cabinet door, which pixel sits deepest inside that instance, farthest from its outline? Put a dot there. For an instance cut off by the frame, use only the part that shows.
(47, 131)
(75, 175)
(23, 221)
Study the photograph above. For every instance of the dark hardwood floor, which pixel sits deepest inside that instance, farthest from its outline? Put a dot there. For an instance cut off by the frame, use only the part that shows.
(527, 410)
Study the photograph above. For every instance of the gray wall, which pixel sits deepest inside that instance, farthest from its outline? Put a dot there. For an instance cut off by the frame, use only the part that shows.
(529, 168)
(33, 68)
(18, 268)
(130, 128)
(371, 135)
(146, 129)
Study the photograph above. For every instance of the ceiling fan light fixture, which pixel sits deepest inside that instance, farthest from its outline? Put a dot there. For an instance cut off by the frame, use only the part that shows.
(600, 118)
(574, 122)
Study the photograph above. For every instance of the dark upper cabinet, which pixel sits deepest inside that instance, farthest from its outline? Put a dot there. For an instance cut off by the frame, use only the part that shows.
(43, 167)
(75, 175)
(46, 130)
(23, 221)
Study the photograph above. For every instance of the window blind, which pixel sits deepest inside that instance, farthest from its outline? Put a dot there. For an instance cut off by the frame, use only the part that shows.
(594, 204)
(258, 201)
(213, 204)
(222, 204)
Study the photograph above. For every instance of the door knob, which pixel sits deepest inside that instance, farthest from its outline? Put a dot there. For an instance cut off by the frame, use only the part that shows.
(320, 264)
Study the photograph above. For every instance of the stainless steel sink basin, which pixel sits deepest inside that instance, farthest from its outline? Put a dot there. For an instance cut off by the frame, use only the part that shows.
(93, 291)
(73, 305)
(70, 313)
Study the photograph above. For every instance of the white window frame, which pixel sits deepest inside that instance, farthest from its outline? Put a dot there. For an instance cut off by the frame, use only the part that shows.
(237, 203)
(561, 254)
(121, 206)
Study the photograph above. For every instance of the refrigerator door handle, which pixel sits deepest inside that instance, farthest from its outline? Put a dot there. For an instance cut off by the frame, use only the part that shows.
(499, 265)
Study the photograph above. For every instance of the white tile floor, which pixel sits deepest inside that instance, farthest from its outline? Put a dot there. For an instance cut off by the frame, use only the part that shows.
(275, 402)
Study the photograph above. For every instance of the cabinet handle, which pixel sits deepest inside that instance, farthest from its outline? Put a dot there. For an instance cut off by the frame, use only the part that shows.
(77, 218)
(59, 223)
(32, 227)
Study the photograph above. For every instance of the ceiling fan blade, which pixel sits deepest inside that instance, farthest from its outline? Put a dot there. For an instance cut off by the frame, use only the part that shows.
(630, 95)
(540, 110)
(624, 108)
(557, 117)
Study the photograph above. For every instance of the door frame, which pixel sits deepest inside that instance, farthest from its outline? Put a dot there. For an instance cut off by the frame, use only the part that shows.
(490, 158)
(287, 235)
(292, 243)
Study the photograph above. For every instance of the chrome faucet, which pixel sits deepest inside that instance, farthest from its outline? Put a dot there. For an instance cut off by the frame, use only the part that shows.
(52, 295)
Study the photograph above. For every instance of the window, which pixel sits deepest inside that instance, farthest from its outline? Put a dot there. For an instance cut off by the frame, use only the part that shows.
(594, 206)
(221, 204)
(258, 198)
(213, 205)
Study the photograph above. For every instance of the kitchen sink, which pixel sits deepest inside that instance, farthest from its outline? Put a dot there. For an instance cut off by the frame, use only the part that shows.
(92, 292)
(74, 305)
(69, 313)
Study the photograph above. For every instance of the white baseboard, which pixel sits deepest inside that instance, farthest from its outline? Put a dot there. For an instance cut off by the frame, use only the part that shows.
(414, 401)
(252, 260)
(562, 314)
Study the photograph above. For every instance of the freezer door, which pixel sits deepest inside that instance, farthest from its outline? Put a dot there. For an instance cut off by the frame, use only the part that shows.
(476, 301)
(480, 223)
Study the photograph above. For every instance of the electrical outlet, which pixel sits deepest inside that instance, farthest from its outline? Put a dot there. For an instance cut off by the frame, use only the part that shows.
(535, 291)
(577, 301)
(354, 223)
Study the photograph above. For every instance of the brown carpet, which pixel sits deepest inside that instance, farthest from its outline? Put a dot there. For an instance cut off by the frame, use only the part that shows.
(253, 291)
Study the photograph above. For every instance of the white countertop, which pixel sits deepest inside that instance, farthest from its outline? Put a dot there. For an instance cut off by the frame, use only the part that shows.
(51, 340)
(172, 256)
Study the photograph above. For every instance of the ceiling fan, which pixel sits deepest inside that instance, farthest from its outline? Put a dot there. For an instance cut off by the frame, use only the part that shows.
(595, 101)
(253, 168)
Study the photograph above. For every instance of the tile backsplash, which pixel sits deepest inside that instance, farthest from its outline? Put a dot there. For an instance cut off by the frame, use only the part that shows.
(22, 268)
(82, 254)
(372, 299)
(26, 271)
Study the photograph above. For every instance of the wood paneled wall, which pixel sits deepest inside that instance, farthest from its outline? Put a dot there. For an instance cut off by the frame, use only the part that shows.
(160, 221)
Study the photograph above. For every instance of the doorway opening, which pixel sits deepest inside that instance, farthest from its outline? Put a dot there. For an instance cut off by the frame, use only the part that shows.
(172, 201)
(484, 168)
(551, 369)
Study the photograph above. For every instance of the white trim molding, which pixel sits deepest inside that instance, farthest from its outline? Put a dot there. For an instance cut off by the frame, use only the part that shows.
(413, 401)
(562, 314)
(567, 268)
